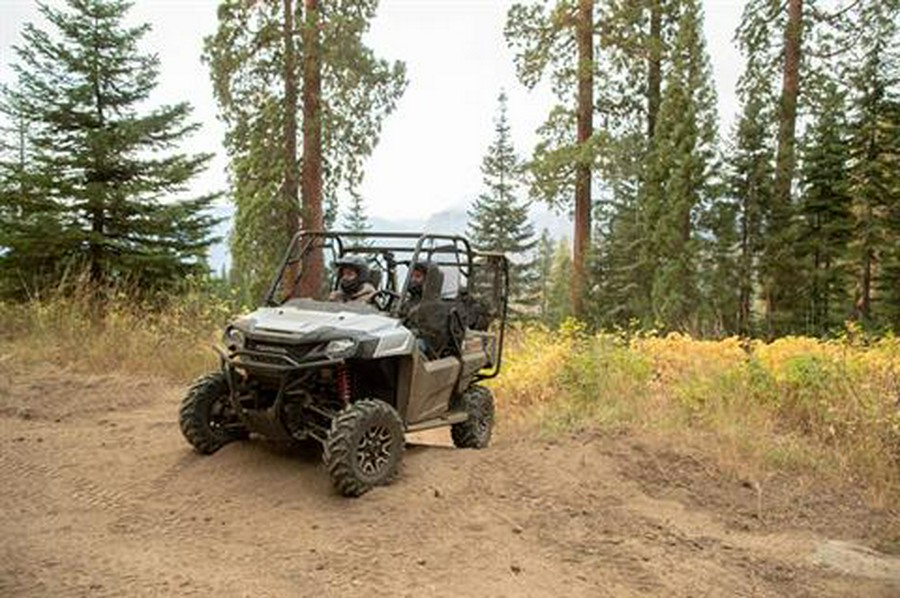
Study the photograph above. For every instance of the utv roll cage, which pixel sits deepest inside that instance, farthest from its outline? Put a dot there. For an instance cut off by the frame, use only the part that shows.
(388, 251)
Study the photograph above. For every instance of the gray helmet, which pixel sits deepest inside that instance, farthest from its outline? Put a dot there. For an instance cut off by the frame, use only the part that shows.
(357, 263)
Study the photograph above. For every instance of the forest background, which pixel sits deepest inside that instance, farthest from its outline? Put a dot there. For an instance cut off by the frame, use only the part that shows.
(775, 224)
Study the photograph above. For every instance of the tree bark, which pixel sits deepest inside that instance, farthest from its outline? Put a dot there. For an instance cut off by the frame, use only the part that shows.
(785, 160)
(290, 185)
(654, 67)
(311, 168)
(582, 236)
(790, 90)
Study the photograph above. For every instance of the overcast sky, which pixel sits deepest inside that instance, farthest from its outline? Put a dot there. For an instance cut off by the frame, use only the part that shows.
(432, 145)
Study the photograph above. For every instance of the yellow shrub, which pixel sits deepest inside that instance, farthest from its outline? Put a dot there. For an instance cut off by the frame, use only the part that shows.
(795, 402)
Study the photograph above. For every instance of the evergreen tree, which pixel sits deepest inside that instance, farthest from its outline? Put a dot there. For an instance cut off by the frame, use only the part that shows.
(89, 190)
(678, 176)
(559, 43)
(616, 274)
(636, 50)
(544, 268)
(498, 220)
(255, 54)
(825, 209)
(355, 219)
(559, 300)
(750, 176)
(718, 279)
(875, 176)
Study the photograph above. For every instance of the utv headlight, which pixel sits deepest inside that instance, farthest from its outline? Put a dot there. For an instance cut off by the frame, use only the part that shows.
(340, 348)
(234, 339)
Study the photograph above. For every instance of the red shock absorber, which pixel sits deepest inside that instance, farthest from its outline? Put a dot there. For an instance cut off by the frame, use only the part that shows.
(344, 384)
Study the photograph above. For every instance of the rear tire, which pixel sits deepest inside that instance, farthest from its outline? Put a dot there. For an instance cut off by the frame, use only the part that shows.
(364, 447)
(475, 432)
(206, 419)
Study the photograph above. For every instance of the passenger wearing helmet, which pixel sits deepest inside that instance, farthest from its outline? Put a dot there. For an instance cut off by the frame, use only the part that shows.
(417, 281)
(353, 281)
(419, 313)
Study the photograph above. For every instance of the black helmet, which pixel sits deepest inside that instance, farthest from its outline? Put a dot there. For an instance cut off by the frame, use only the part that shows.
(358, 264)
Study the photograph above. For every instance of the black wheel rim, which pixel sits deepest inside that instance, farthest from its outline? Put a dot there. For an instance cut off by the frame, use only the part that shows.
(374, 450)
(219, 416)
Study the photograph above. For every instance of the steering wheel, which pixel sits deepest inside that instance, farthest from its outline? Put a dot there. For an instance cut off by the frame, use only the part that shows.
(384, 299)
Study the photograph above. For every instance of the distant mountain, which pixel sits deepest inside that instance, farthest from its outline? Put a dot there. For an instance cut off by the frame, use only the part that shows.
(452, 221)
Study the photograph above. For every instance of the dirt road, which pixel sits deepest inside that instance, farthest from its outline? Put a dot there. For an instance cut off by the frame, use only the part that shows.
(100, 496)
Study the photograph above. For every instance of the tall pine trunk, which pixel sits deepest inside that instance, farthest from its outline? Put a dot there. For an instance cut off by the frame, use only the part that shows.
(654, 67)
(582, 236)
(290, 186)
(785, 161)
(311, 169)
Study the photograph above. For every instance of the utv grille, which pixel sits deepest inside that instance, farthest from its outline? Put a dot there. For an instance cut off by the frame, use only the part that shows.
(264, 352)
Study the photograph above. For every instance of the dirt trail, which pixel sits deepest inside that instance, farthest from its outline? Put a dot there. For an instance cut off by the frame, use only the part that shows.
(98, 502)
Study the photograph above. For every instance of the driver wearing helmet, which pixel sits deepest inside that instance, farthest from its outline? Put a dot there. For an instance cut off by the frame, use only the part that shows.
(353, 281)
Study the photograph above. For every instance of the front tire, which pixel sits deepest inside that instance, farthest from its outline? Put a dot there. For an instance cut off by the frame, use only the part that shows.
(206, 418)
(364, 447)
(475, 432)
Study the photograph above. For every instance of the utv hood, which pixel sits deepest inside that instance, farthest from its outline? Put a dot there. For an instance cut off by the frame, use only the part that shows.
(376, 334)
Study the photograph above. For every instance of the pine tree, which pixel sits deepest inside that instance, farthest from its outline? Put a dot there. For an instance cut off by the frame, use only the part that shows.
(498, 220)
(560, 43)
(780, 301)
(718, 278)
(751, 161)
(99, 165)
(678, 175)
(750, 183)
(825, 210)
(355, 219)
(544, 268)
(251, 70)
(874, 145)
(635, 51)
(559, 299)
(29, 221)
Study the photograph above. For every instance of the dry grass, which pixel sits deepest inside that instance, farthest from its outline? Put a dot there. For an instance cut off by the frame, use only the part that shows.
(170, 337)
(827, 408)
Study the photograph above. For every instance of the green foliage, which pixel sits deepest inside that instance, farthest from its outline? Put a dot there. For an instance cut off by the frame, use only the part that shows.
(677, 181)
(558, 300)
(246, 62)
(826, 219)
(749, 183)
(355, 219)
(543, 39)
(498, 219)
(544, 269)
(93, 180)
(874, 146)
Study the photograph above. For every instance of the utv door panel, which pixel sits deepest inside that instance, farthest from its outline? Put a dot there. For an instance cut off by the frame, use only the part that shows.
(472, 363)
(431, 385)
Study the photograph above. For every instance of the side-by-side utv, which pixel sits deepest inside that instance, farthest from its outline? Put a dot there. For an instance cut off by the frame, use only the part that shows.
(355, 376)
